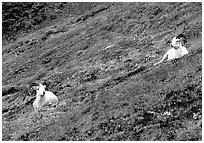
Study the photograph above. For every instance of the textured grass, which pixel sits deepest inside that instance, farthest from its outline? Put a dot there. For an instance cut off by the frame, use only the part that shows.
(99, 64)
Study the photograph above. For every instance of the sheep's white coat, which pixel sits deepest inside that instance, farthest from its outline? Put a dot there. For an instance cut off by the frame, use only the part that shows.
(175, 53)
(43, 97)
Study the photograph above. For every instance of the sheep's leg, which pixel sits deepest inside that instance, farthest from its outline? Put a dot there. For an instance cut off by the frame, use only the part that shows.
(53, 104)
(50, 105)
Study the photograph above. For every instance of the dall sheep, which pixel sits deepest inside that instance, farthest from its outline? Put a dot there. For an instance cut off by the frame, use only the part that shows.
(178, 49)
(43, 97)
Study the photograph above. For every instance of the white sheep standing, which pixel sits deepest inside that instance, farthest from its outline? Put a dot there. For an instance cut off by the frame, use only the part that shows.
(43, 97)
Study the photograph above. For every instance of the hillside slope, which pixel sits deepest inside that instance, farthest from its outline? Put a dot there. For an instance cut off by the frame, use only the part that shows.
(99, 64)
(20, 18)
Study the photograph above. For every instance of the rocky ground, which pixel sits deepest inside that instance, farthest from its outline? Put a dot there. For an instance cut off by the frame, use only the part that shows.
(100, 65)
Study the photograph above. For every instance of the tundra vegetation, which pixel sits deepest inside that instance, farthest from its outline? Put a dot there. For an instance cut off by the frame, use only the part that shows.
(97, 59)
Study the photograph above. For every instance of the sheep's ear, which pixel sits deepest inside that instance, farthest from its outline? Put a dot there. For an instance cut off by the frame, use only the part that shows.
(43, 83)
(36, 87)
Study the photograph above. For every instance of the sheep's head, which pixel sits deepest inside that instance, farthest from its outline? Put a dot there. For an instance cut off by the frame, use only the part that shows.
(182, 37)
(40, 88)
(179, 39)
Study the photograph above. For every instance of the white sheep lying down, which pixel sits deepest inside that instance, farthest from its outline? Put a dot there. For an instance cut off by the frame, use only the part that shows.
(177, 51)
(43, 97)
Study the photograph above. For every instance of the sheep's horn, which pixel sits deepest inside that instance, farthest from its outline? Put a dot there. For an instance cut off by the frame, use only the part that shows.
(33, 84)
(182, 36)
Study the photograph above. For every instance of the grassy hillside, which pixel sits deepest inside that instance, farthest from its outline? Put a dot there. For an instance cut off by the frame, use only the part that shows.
(100, 65)
(23, 17)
